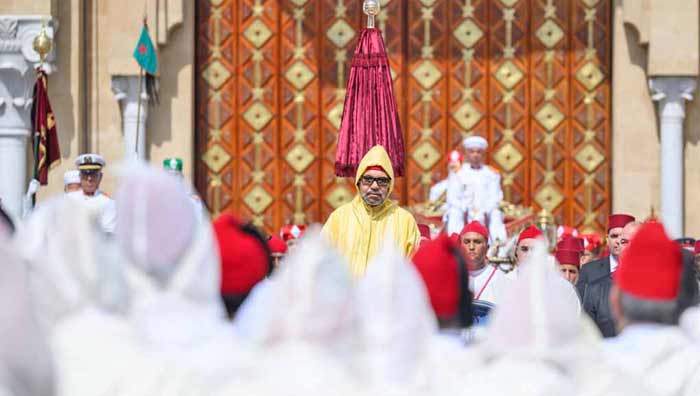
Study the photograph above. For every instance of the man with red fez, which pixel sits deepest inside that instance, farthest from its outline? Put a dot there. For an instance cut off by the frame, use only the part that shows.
(526, 241)
(569, 262)
(443, 268)
(358, 228)
(486, 281)
(458, 197)
(278, 249)
(591, 246)
(245, 259)
(595, 297)
(647, 300)
(604, 266)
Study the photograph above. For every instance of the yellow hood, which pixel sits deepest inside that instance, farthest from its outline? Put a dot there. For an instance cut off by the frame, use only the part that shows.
(376, 156)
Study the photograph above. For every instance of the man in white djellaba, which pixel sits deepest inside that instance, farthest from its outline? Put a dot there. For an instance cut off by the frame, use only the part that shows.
(485, 184)
(650, 290)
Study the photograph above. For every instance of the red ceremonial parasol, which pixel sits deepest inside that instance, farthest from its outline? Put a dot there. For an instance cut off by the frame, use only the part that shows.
(370, 117)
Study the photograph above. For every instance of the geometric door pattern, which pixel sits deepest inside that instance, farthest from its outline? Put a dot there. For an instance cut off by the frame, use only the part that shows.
(532, 76)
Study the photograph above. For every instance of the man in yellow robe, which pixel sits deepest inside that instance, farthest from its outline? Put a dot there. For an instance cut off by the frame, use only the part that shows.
(358, 228)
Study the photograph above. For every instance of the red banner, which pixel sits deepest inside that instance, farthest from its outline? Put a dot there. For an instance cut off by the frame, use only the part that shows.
(47, 152)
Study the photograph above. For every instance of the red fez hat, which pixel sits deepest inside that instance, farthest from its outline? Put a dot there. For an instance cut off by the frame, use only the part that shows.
(244, 261)
(591, 242)
(530, 232)
(438, 267)
(375, 167)
(650, 267)
(571, 257)
(619, 220)
(477, 227)
(697, 247)
(571, 243)
(455, 156)
(454, 237)
(292, 231)
(277, 245)
(566, 231)
(424, 230)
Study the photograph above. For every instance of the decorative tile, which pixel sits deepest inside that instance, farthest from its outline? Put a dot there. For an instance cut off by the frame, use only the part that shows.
(216, 158)
(339, 196)
(299, 158)
(426, 155)
(257, 33)
(549, 116)
(467, 116)
(427, 74)
(590, 75)
(340, 33)
(509, 75)
(549, 33)
(549, 198)
(299, 75)
(216, 74)
(589, 158)
(257, 116)
(468, 33)
(508, 157)
(258, 199)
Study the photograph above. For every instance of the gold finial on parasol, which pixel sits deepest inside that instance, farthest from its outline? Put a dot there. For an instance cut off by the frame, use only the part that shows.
(371, 9)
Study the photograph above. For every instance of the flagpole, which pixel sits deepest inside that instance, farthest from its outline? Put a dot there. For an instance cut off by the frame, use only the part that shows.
(42, 46)
(138, 113)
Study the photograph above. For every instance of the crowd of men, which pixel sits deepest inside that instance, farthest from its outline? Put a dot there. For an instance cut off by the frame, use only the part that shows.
(145, 295)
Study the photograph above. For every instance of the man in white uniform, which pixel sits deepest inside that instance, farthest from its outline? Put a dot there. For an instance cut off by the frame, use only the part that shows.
(487, 282)
(458, 197)
(90, 167)
(646, 300)
(485, 182)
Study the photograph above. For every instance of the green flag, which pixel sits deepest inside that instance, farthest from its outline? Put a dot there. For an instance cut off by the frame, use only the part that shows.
(145, 53)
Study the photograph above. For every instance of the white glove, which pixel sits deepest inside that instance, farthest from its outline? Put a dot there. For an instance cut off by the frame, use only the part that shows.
(33, 187)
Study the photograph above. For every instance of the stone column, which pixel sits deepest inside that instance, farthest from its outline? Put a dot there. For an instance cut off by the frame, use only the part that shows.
(671, 93)
(125, 90)
(17, 64)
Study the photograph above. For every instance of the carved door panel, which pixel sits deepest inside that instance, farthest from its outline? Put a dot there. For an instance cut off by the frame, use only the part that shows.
(532, 76)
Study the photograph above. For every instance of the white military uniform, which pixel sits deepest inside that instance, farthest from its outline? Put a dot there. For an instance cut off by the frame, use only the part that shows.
(485, 182)
(98, 202)
(102, 204)
(458, 200)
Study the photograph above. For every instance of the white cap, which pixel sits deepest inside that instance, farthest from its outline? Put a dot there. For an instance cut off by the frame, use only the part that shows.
(90, 162)
(71, 177)
(475, 142)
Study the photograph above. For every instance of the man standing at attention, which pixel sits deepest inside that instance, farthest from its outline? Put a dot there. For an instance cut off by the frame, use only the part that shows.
(604, 266)
(358, 228)
(485, 182)
(486, 281)
(90, 167)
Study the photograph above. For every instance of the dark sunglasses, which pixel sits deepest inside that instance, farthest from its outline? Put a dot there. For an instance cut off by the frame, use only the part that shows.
(369, 180)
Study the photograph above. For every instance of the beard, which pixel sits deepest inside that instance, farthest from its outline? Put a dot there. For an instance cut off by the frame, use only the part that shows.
(373, 198)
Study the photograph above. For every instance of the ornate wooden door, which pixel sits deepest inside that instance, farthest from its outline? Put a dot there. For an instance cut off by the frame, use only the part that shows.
(532, 76)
